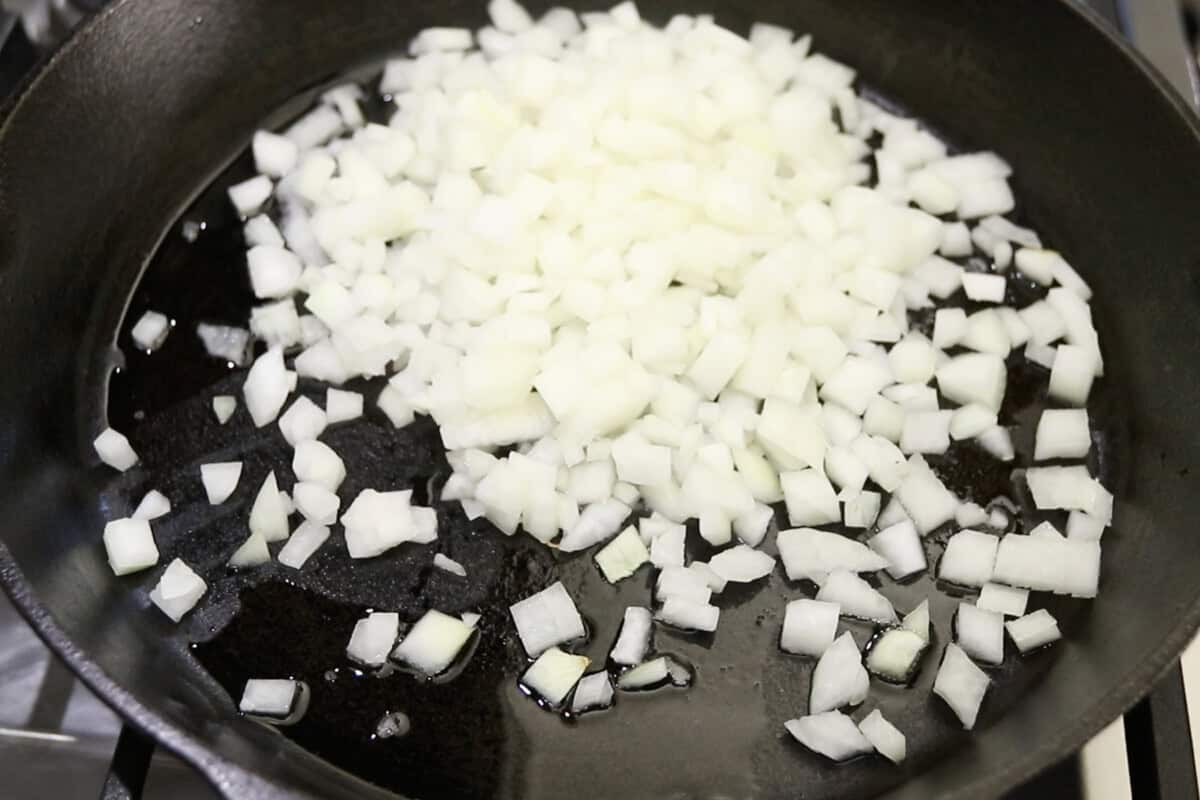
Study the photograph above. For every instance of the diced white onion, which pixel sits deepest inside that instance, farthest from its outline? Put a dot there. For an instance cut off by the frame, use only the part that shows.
(810, 554)
(1034, 630)
(150, 331)
(546, 619)
(901, 545)
(554, 674)
(969, 559)
(302, 544)
(114, 449)
(883, 736)
(178, 590)
(980, 633)
(220, 480)
(894, 655)
(856, 597)
(434, 642)
(223, 407)
(809, 627)
(832, 734)
(961, 684)
(154, 504)
(373, 637)
(130, 546)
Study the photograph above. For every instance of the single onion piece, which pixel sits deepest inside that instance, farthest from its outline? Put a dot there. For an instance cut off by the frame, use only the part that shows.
(250, 553)
(621, 557)
(316, 462)
(130, 546)
(969, 558)
(1003, 599)
(809, 627)
(547, 618)
(178, 590)
(225, 342)
(810, 554)
(969, 515)
(645, 676)
(1034, 630)
(856, 597)
(373, 637)
(444, 562)
(917, 620)
(269, 697)
(980, 633)
(742, 564)
(883, 736)
(471, 618)
(1062, 433)
(667, 550)
(594, 691)
(634, 639)
(223, 407)
(895, 654)
(114, 450)
(267, 387)
(304, 420)
(302, 544)
(433, 643)
(901, 545)
(316, 503)
(839, 678)
(1070, 488)
(342, 406)
(1049, 564)
(150, 331)
(831, 733)
(153, 505)
(268, 515)
(861, 510)
(683, 583)
(961, 684)
(220, 480)
(554, 674)
(689, 614)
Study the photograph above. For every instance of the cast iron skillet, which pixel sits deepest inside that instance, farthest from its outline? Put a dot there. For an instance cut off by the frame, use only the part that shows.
(115, 135)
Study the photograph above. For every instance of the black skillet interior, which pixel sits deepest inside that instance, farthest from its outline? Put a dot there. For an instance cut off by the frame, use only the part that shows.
(133, 118)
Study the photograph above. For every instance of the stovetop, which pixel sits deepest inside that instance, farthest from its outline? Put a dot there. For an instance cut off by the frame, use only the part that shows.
(57, 740)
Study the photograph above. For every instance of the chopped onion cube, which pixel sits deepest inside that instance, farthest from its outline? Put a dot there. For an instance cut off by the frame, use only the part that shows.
(554, 674)
(150, 331)
(220, 480)
(969, 559)
(667, 549)
(832, 734)
(974, 378)
(634, 638)
(225, 342)
(301, 545)
(970, 421)
(546, 619)
(926, 499)
(1003, 599)
(621, 557)
(268, 515)
(1034, 630)
(316, 503)
(304, 420)
(114, 450)
(1062, 433)
(856, 597)
(444, 562)
(689, 614)
(810, 554)
(223, 407)
(316, 462)
(251, 553)
(154, 505)
(644, 676)
(839, 678)
(984, 288)
(684, 583)
(861, 510)
(269, 697)
(895, 654)
(267, 387)
(434, 642)
(249, 196)
(1072, 373)
(373, 638)
(342, 406)
(742, 564)
(917, 620)
(961, 684)
(980, 633)
(178, 590)
(809, 627)
(901, 545)
(883, 736)
(997, 441)
(1080, 525)
(130, 545)
(594, 691)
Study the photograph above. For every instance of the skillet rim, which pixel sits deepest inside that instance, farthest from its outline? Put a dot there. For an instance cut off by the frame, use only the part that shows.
(232, 779)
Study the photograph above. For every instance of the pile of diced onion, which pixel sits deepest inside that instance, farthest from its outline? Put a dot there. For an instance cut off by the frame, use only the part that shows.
(640, 276)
